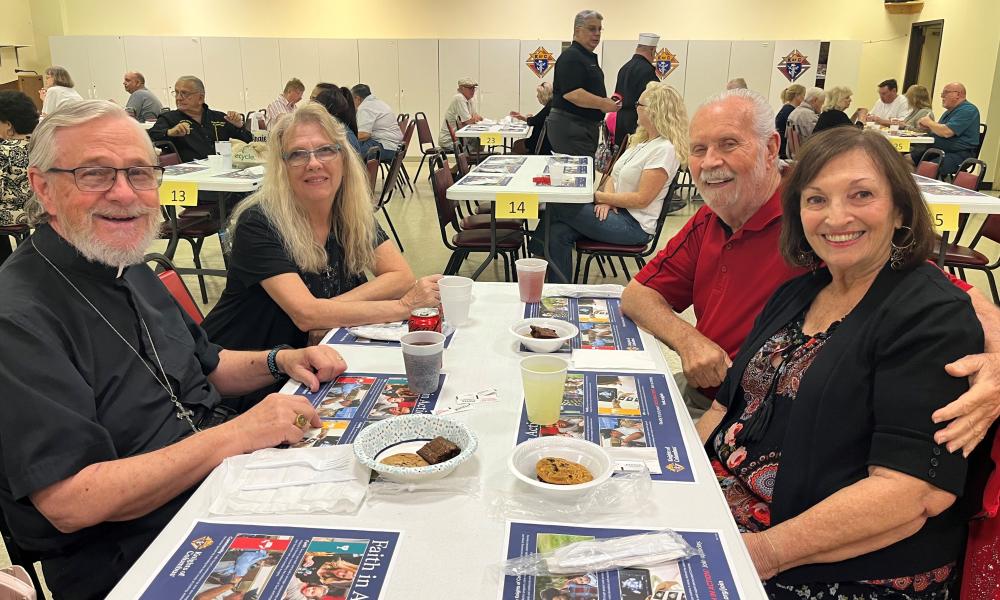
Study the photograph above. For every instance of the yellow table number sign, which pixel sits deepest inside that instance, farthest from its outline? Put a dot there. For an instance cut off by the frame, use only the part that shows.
(491, 139)
(179, 193)
(944, 216)
(900, 145)
(516, 206)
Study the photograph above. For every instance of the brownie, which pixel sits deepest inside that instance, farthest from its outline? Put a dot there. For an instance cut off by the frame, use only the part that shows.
(438, 450)
(543, 333)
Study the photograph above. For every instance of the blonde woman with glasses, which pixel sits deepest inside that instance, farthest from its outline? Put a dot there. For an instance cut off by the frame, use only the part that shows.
(301, 247)
(627, 207)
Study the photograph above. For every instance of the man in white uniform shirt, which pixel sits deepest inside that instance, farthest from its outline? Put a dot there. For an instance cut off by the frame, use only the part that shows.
(377, 124)
(460, 111)
(890, 105)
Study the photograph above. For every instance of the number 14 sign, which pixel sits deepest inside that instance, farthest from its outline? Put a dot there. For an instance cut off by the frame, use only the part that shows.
(516, 206)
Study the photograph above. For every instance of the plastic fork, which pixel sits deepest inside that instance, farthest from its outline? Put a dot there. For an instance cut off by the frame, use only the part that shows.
(318, 465)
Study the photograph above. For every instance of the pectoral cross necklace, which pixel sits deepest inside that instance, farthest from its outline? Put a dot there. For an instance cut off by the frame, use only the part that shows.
(182, 412)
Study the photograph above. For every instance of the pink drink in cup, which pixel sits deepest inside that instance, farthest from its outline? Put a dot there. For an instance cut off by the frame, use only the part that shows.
(530, 278)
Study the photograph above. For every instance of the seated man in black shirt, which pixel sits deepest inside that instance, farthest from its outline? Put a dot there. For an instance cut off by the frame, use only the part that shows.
(110, 391)
(578, 92)
(194, 127)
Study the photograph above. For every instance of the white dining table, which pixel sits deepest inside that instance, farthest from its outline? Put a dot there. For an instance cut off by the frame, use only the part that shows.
(522, 182)
(449, 542)
(509, 132)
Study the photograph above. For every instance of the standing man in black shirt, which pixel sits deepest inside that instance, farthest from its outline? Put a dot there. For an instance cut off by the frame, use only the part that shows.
(110, 391)
(194, 127)
(579, 98)
(632, 80)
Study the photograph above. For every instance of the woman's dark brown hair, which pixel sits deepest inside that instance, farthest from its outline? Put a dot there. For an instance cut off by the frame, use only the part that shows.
(828, 145)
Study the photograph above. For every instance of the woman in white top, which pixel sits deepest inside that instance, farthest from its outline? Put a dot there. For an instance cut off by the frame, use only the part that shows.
(58, 89)
(627, 206)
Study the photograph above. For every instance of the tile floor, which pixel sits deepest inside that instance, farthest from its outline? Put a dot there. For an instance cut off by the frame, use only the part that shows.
(416, 221)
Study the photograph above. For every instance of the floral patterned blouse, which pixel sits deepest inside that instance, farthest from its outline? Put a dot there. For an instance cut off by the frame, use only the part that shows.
(14, 188)
(747, 455)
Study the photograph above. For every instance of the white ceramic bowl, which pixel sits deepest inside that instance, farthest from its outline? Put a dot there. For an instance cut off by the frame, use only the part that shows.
(407, 433)
(522, 460)
(521, 330)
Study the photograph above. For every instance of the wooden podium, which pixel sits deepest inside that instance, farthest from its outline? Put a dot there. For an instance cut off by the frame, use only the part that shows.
(29, 84)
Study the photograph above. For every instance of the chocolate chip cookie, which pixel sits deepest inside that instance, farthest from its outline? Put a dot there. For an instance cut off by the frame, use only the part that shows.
(560, 471)
(404, 459)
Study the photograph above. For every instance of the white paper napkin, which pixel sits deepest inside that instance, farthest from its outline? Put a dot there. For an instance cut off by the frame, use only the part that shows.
(612, 359)
(294, 489)
(604, 290)
(390, 332)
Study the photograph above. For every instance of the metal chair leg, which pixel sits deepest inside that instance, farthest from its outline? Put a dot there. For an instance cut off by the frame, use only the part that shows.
(600, 265)
(579, 261)
(196, 257)
(406, 176)
(628, 277)
(586, 267)
(392, 228)
(419, 167)
(993, 287)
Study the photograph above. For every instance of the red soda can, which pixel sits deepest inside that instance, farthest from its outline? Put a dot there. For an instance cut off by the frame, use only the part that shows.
(425, 319)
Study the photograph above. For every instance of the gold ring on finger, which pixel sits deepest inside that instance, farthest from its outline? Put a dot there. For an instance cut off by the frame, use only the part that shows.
(301, 421)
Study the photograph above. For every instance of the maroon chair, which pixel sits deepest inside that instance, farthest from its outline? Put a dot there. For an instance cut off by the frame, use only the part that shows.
(175, 285)
(426, 141)
(372, 167)
(594, 249)
(927, 167)
(463, 241)
(967, 257)
(391, 181)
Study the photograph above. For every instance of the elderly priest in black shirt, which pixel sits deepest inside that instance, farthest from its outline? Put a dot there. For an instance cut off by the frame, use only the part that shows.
(578, 92)
(111, 393)
(631, 83)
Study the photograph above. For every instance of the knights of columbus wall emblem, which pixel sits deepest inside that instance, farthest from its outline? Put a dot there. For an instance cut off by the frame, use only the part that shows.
(666, 63)
(540, 61)
(793, 65)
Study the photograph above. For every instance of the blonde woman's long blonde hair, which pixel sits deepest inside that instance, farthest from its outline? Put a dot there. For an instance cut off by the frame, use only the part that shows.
(352, 219)
(835, 96)
(667, 112)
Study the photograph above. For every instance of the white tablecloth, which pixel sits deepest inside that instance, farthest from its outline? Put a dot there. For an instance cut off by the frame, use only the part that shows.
(448, 543)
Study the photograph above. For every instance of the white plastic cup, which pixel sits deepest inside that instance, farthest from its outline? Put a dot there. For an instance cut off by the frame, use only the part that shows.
(456, 298)
(422, 358)
(557, 173)
(894, 127)
(543, 378)
(530, 278)
(216, 162)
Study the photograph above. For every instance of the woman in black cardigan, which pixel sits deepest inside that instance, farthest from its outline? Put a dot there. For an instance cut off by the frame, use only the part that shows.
(821, 435)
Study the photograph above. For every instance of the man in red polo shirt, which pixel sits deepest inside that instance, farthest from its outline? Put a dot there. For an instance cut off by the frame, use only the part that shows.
(725, 262)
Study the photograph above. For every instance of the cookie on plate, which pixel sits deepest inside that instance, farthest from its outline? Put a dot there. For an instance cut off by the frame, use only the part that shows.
(404, 459)
(560, 471)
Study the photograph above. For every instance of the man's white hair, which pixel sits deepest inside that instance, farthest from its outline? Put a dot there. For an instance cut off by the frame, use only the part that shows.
(43, 150)
(814, 93)
(763, 114)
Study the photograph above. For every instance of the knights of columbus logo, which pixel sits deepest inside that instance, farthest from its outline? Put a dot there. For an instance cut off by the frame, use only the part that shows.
(540, 61)
(666, 63)
(793, 65)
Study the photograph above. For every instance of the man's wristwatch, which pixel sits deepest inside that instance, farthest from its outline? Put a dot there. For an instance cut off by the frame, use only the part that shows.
(272, 362)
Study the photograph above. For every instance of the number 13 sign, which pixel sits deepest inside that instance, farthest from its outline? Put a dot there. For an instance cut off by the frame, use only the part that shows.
(179, 193)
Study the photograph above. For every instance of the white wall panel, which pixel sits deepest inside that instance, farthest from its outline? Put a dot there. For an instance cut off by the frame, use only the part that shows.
(810, 48)
(707, 71)
(843, 66)
(145, 55)
(72, 53)
(378, 67)
(528, 79)
(498, 78)
(456, 59)
(338, 62)
(107, 65)
(261, 71)
(753, 61)
(418, 76)
(614, 54)
(299, 58)
(181, 56)
(223, 74)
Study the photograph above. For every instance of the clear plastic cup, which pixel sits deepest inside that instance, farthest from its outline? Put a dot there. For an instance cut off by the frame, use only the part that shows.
(530, 278)
(557, 173)
(543, 378)
(422, 358)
